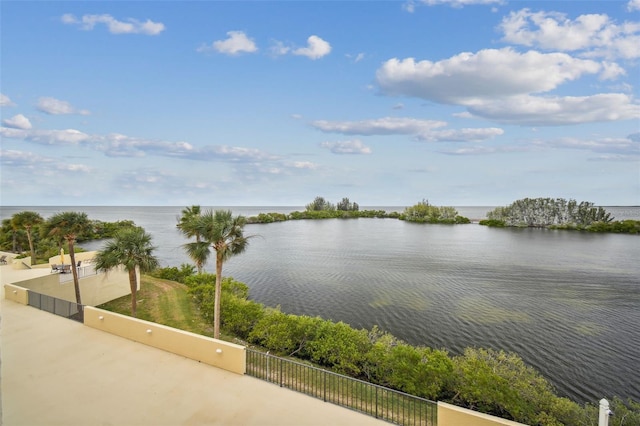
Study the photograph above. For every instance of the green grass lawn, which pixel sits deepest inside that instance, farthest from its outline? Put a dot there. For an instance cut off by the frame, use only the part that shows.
(163, 302)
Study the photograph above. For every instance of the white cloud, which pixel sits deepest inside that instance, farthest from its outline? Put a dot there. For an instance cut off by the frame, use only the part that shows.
(20, 160)
(354, 146)
(46, 137)
(507, 86)
(236, 43)
(379, 126)
(593, 35)
(355, 58)
(55, 106)
(73, 167)
(278, 48)
(5, 101)
(424, 130)
(316, 48)
(461, 135)
(129, 26)
(633, 5)
(552, 111)
(611, 71)
(468, 78)
(17, 122)
(245, 160)
(69, 19)
(621, 149)
(472, 150)
(305, 165)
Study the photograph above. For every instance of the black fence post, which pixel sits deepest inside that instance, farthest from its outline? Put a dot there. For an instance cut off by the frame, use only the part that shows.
(324, 372)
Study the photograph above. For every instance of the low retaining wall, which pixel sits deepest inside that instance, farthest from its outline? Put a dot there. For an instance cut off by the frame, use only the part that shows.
(451, 415)
(16, 294)
(204, 349)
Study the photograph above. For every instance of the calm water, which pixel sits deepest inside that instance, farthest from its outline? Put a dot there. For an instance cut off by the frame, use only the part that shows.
(567, 302)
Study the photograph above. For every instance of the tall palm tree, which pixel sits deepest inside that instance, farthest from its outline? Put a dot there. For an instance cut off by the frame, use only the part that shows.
(198, 251)
(131, 248)
(225, 234)
(10, 228)
(27, 220)
(69, 226)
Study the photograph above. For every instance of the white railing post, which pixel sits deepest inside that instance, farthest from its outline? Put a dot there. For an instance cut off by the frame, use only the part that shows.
(605, 412)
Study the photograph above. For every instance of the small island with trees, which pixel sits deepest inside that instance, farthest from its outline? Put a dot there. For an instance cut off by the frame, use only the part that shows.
(548, 213)
(558, 213)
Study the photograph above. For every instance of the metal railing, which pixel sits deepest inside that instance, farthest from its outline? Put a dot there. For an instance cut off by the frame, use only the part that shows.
(382, 403)
(56, 306)
(83, 271)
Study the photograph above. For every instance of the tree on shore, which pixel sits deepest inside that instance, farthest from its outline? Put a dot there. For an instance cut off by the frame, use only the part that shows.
(28, 220)
(346, 205)
(427, 213)
(198, 251)
(320, 204)
(224, 233)
(68, 226)
(544, 212)
(10, 236)
(131, 248)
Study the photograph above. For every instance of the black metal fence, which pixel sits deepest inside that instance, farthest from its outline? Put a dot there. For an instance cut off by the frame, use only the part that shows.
(56, 306)
(383, 403)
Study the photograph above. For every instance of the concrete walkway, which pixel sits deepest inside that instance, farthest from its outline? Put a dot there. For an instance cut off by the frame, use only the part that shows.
(55, 371)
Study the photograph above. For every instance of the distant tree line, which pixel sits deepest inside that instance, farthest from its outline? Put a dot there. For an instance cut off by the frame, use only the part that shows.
(320, 208)
(558, 213)
(423, 212)
(487, 380)
(29, 234)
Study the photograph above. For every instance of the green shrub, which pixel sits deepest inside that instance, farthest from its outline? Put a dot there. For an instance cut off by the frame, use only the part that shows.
(174, 274)
(284, 333)
(340, 346)
(500, 383)
(493, 222)
(239, 315)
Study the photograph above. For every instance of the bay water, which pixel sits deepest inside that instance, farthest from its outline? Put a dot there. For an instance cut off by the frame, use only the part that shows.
(567, 302)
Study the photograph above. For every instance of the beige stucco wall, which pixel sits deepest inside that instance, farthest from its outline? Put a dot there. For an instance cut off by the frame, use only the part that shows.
(22, 263)
(94, 289)
(204, 349)
(16, 294)
(451, 415)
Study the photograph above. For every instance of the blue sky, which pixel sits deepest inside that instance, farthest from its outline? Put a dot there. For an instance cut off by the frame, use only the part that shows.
(461, 102)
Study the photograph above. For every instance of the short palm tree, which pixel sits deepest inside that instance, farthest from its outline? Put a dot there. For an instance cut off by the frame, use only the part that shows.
(130, 248)
(28, 220)
(198, 251)
(69, 226)
(225, 234)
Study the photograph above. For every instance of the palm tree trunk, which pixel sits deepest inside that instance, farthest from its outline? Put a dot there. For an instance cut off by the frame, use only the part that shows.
(217, 298)
(33, 252)
(76, 283)
(133, 283)
(198, 262)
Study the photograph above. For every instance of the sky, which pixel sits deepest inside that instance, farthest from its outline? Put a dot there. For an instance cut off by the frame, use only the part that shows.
(272, 103)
